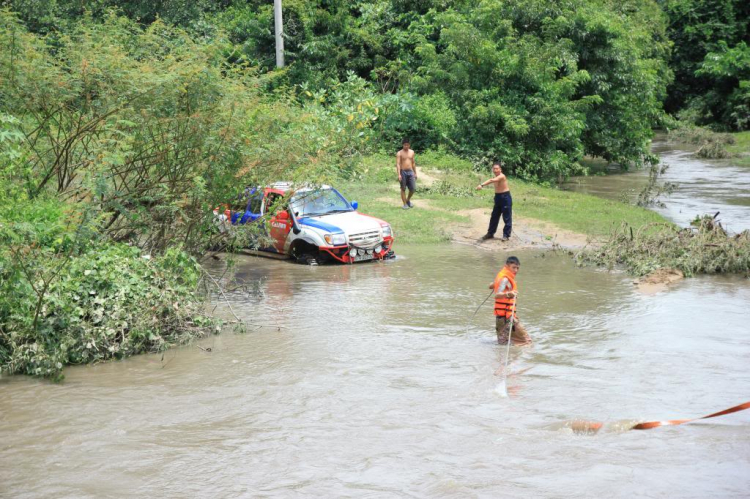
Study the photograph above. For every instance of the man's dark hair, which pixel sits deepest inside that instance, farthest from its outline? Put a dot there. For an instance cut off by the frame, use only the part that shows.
(498, 163)
(511, 260)
(405, 141)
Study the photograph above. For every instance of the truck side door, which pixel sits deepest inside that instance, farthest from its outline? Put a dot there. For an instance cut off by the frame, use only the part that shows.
(280, 223)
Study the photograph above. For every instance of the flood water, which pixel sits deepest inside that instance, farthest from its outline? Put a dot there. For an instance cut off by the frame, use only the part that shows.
(702, 186)
(365, 382)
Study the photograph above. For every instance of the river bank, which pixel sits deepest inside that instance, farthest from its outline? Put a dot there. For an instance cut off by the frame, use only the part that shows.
(741, 148)
(448, 208)
(715, 145)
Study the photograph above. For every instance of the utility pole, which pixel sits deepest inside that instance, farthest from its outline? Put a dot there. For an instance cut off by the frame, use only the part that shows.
(279, 25)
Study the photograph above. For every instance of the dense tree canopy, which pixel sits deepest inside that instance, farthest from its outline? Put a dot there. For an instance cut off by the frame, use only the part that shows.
(712, 82)
(537, 83)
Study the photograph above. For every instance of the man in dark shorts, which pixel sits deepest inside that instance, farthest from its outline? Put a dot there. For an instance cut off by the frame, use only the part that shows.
(406, 167)
(503, 203)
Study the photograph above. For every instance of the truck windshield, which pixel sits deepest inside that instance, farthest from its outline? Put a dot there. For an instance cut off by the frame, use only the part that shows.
(318, 202)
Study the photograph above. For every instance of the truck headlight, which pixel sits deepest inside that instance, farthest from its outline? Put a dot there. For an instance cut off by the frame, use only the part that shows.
(335, 239)
(386, 230)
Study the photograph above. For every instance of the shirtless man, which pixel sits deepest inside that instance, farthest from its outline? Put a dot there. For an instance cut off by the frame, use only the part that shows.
(406, 167)
(503, 203)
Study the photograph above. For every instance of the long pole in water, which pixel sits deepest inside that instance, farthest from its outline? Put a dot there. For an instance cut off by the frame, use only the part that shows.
(477, 310)
(507, 350)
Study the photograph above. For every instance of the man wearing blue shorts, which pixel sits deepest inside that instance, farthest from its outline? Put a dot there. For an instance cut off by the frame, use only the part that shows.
(406, 167)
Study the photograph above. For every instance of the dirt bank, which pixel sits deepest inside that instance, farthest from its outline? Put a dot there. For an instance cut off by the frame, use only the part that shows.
(527, 232)
(658, 280)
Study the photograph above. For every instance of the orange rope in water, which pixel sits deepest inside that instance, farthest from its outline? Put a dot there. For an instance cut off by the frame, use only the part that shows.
(674, 422)
(592, 427)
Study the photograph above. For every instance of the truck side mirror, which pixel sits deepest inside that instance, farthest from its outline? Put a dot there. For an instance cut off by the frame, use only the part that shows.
(355, 205)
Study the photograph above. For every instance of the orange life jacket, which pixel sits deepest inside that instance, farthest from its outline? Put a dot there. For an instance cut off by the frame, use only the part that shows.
(505, 307)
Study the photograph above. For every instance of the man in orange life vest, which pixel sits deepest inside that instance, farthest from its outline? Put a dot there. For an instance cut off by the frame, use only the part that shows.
(506, 292)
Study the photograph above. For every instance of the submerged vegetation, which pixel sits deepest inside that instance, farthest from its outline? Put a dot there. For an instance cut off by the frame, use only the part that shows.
(703, 248)
(712, 145)
(715, 145)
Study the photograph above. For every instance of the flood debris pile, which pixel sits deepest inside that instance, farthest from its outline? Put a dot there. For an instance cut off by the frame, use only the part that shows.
(703, 248)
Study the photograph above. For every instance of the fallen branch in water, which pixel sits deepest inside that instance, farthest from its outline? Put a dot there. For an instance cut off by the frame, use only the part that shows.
(703, 248)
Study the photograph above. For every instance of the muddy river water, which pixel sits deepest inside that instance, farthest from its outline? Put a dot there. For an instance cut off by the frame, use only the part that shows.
(366, 382)
(701, 186)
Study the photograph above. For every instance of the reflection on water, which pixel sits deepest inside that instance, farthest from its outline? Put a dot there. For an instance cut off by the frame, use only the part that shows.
(365, 382)
(702, 187)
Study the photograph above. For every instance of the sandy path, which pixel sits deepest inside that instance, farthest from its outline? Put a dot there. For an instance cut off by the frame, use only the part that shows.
(527, 232)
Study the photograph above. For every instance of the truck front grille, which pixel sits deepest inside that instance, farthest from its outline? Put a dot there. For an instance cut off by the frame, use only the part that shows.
(365, 238)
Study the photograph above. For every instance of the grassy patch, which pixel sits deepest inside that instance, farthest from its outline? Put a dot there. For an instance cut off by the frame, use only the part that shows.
(741, 148)
(715, 145)
(454, 191)
(418, 225)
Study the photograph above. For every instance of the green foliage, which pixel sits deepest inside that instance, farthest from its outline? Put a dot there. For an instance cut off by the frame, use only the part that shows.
(707, 35)
(118, 141)
(44, 16)
(728, 99)
(428, 121)
(535, 83)
(68, 298)
(12, 174)
(154, 129)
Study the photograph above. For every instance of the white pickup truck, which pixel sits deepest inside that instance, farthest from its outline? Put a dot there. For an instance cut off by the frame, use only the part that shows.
(313, 224)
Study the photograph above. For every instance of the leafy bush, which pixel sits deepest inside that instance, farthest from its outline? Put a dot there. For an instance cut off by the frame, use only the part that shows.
(154, 129)
(446, 188)
(728, 99)
(708, 39)
(110, 301)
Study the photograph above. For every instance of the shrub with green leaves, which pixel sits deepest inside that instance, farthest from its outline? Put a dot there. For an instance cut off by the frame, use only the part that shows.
(110, 302)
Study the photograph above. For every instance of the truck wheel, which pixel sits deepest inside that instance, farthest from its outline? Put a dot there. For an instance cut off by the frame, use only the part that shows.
(305, 253)
(307, 259)
(389, 255)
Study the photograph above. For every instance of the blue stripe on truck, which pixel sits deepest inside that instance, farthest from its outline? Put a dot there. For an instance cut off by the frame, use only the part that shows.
(317, 224)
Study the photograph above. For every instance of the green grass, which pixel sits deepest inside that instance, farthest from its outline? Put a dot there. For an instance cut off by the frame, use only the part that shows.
(576, 212)
(410, 226)
(741, 148)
